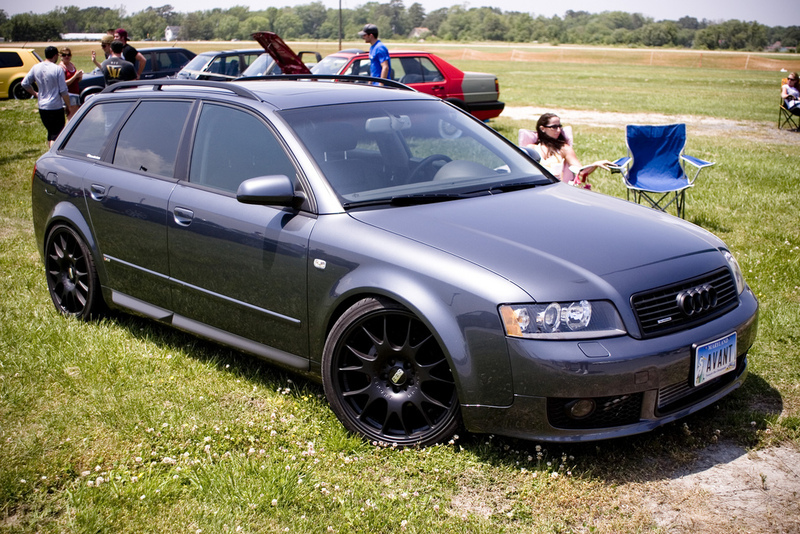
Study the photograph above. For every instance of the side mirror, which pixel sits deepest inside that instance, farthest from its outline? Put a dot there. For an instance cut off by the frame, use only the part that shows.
(276, 190)
(533, 154)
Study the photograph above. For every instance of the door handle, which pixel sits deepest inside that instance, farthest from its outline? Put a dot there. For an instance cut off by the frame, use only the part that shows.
(183, 216)
(97, 192)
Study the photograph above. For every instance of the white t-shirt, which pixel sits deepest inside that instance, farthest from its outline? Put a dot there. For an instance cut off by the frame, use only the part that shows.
(792, 91)
(49, 78)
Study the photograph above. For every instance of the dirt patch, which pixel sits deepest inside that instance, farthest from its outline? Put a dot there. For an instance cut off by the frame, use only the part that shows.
(729, 490)
(696, 125)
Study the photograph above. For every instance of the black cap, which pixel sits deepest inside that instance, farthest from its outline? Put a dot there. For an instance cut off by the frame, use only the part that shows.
(368, 28)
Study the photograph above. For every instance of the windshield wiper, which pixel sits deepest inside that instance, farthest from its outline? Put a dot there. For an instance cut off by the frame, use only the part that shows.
(515, 186)
(432, 198)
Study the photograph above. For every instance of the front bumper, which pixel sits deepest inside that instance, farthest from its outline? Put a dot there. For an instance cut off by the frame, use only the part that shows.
(638, 385)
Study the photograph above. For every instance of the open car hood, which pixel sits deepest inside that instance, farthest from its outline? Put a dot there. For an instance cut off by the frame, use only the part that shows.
(287, 60)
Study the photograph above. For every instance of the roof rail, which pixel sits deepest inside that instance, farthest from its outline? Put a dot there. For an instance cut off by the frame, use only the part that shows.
(159, 83)
(339, 77)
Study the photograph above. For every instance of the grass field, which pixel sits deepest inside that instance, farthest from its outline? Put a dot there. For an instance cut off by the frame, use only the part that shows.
(123, 425)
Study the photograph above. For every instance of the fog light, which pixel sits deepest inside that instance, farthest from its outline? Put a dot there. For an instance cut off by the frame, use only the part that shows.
(581, 408)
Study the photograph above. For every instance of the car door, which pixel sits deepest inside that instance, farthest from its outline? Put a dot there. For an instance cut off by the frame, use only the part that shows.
(236, 267)
(128, 190)
(422, 74)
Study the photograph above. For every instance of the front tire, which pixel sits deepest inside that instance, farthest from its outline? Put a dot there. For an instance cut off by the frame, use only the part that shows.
(71, 274)
(387, 378)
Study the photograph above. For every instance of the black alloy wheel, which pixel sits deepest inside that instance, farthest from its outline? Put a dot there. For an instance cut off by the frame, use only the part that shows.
(387, 378)
(18, 92)
(71, 274)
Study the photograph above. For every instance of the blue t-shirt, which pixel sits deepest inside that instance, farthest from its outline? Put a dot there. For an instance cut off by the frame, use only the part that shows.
(378, 53)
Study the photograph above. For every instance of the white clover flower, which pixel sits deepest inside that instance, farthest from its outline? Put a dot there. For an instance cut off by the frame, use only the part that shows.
(142, 497)
(85, 473)
(134, 479)
(138, 459)
(90, 483)
(274, 502)
(99, 480)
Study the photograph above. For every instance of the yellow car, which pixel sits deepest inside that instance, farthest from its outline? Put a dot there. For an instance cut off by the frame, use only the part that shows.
(14, 65)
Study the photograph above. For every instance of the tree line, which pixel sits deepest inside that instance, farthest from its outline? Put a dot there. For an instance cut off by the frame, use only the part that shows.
(395, 21)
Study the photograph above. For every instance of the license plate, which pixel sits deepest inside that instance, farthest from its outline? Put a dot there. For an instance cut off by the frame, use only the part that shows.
(714, 359)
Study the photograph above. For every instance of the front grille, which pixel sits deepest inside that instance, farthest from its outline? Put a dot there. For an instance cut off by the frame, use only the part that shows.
(610, 412)
(658, 312)
(677, 396)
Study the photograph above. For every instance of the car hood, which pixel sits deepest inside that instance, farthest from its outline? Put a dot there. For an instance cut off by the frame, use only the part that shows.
(284, 56)
(557, 242)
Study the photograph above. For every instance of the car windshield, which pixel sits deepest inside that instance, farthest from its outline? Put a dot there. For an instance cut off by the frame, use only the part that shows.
(263, 65)
(409, 152)
(198, 62)
(330, 65)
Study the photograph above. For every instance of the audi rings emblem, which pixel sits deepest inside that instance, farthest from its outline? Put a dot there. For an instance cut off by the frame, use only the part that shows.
(697, 300)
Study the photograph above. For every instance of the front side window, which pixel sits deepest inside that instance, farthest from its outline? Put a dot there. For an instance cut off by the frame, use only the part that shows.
(232, 145)
(150, 138)
(89, 137)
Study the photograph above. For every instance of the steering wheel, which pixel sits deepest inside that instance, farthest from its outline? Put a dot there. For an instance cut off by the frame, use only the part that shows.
(428, 165)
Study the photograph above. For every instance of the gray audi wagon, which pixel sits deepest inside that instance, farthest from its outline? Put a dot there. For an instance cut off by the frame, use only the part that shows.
(425, 270)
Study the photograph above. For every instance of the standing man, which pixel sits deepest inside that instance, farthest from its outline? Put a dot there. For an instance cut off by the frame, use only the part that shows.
(115, 68)
(130, 53)
(378, 53)
(105, 44)
(52, 94)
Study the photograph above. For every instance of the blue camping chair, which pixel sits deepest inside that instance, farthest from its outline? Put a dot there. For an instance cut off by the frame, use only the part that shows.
(655, 168)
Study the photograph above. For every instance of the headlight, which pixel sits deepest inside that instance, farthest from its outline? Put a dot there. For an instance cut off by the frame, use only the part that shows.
(562, 320)
(736, 271)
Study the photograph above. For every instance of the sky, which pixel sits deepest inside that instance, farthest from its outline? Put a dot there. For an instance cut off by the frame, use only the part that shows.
(767, 12)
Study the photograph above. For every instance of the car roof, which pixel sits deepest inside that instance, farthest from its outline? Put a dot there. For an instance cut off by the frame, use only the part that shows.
(392, 52)
(232, 52)
(279, 92)
(286, 93)
(163, 49)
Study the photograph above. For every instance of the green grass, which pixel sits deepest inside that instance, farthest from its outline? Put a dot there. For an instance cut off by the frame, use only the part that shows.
(123, 425)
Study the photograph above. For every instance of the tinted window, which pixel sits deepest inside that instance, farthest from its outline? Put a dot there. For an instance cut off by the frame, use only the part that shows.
(96, 125)
(149, 140)
(10, 59)
(231, 146)
(172, 59)
(429, 71)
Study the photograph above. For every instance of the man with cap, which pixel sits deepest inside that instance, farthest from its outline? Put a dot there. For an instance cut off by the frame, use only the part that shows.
(379, 66)
(105, 44)
(52, 93)
(130, 53)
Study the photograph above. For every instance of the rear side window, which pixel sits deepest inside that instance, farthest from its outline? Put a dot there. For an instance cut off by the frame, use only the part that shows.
(172, 59)
(89, 137)
(150, 138)
(231, 146)
(10, 59)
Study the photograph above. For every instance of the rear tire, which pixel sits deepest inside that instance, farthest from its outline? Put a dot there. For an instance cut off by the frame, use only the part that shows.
(387, 378)
(71, 274)
(18, 92)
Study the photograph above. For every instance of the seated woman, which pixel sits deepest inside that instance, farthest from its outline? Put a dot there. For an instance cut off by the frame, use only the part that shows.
(557, 153)
(791, 94)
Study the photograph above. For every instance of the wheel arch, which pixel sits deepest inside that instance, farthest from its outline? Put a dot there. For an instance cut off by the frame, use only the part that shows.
(65, 213)
(482, 377)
